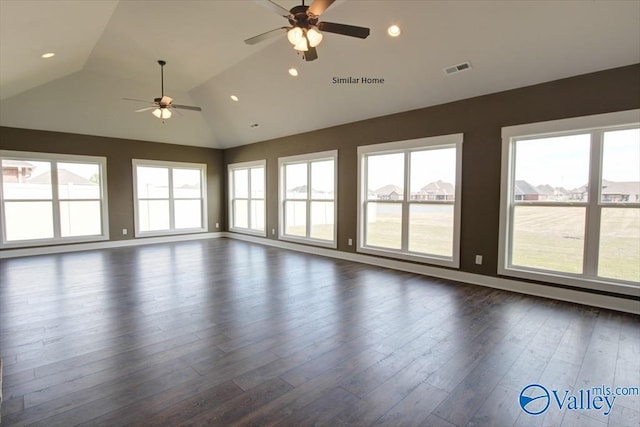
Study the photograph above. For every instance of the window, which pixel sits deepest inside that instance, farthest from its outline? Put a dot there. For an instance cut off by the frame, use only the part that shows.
(170, 198)
(571, 201)
(308, 198)
(247, 197)
(52, 198)
(409, 204)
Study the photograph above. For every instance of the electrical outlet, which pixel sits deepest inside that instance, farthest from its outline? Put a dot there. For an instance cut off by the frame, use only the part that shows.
(479, 259)
(273, 231)
(217, 225)
(350, 242)
(124, 231)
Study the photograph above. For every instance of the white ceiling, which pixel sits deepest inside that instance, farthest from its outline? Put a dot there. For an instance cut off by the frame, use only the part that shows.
(108, 49)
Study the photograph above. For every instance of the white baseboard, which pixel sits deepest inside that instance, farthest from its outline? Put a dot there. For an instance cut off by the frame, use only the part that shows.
(77, 247)
(627, 305)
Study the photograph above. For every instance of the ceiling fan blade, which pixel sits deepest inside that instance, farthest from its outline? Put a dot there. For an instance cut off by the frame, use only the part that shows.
(186, 107)
(311, 54)
(345, 30)
(146, 109)
(318, 7)
(264, 36)
(275, 7)
(137, 100)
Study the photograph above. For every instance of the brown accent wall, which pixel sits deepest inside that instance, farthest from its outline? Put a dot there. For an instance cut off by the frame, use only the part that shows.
(119, 154)
(480, 119)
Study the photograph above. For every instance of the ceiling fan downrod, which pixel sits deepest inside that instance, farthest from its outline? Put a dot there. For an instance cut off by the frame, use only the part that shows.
(162, 64)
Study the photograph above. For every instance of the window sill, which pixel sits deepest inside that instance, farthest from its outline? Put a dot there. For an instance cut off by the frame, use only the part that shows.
(305, 241)
(259, 233)
(432, 260)
(52, 242)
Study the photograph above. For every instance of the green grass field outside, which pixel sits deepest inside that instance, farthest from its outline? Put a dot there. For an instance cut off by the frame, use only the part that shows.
(547, 238)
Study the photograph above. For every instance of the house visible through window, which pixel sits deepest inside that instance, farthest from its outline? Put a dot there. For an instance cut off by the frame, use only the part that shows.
(247, 197)
(409, 204)
(170, 197)
(308, 198)
(52, 198)
(571, 201)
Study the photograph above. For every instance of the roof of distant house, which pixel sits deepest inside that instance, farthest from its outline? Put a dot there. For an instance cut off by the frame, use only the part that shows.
(523, 187)
(388, 189)
(64, 177)
(628, 187)
(439, 187)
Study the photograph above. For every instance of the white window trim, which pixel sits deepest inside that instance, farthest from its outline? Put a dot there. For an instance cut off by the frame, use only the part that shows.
(202, 167)
(452, 140)
(582, 124)
(247, 165)
(52, 157)
(307, 158)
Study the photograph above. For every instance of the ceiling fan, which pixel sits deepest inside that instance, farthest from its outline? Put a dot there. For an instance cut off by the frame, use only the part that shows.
(304, 32)
(162, 106)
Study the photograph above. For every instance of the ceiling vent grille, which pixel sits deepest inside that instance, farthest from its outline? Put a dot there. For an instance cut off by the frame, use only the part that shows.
(457, 68)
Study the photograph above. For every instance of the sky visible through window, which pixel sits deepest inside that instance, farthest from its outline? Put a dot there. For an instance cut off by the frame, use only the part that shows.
(321, 176)
(564, 161)
(427, 166)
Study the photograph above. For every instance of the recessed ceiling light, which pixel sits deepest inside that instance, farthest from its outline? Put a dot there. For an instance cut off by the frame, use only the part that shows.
(48, 55)
(234, 98)
(293, 72)
(393, 30)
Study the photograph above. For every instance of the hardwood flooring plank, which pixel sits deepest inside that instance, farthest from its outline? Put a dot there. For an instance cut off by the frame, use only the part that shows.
(628, 362)
(472, 392)
(198, 401)
(309, 391)
(236, 408)
(435, 421)
(499, 409)
(86, 375)
(623, 416)
(414, 408)
(225, 332)
(598, 365)
(325, 411)
(364, 382)
(325, 362)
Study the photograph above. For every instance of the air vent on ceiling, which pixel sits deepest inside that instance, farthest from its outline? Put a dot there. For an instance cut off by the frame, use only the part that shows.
(457, 68)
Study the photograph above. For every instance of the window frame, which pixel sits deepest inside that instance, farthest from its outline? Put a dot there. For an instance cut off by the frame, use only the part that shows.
(53, 159)
(407, 147)
(249, 166)
(282, 199)
(201, 167)
(596, 126)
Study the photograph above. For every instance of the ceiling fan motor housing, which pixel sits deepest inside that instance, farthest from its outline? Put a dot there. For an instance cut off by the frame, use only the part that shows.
(300, 18)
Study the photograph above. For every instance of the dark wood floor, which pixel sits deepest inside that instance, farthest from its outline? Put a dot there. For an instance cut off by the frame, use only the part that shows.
(224, 332)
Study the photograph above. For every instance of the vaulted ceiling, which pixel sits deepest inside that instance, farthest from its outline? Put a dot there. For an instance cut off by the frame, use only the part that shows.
(107, 50)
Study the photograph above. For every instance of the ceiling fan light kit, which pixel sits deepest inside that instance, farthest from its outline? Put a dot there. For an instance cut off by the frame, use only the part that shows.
(305, 30)
(162, 113)
(162, 106)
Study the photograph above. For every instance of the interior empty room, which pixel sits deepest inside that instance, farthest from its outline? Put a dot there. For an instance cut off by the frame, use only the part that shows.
(321, 212)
